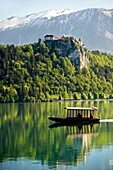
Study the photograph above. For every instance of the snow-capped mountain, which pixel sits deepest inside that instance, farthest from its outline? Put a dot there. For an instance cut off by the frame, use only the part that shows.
(30, 19)
(94, 26)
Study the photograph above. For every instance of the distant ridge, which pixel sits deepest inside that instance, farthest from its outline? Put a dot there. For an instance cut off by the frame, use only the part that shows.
(94, 26)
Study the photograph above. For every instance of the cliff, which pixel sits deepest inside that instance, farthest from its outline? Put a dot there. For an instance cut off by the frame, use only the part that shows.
(71, 48)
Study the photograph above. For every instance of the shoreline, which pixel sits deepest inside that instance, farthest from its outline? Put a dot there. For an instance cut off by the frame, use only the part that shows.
(57, 100)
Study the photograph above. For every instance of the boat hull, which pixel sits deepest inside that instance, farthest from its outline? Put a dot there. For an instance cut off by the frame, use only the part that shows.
(74, 120)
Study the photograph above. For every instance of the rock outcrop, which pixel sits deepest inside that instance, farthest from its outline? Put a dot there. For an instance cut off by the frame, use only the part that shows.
(70, 47)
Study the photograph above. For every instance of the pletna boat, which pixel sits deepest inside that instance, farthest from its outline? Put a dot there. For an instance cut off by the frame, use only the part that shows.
(77, 115)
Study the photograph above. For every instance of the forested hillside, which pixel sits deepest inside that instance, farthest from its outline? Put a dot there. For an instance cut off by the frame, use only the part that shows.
(35, 72)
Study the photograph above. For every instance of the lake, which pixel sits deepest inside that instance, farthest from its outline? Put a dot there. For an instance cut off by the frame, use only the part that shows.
(28, 140)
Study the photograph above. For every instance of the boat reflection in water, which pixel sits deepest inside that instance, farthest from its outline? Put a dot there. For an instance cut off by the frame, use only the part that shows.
(81, 137)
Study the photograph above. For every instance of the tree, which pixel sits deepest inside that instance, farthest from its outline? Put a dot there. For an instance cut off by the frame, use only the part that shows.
(83, 96)
(64, 94)
(76, 96)
(111, 96)
(95, 95)
(90, 96)
(102, 96)
(47, 96)
(41, 96)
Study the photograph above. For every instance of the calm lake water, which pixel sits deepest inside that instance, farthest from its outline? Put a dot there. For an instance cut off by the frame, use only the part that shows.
(28, 141)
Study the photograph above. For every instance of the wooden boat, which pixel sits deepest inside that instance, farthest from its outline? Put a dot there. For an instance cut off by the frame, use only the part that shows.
(77, 115)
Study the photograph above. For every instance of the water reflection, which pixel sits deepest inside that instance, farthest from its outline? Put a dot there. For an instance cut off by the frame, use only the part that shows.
(80, 139)
(25, 137)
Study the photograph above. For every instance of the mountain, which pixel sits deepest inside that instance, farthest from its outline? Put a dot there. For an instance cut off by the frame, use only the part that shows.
(94, 26)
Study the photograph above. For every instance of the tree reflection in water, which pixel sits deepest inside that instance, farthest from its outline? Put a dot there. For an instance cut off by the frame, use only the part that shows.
(24, 133)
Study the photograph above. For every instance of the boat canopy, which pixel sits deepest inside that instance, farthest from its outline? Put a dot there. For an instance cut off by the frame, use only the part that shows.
(82, 108)
(77, 111)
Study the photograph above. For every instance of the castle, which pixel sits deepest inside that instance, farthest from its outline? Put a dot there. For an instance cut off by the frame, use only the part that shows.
(53, 37)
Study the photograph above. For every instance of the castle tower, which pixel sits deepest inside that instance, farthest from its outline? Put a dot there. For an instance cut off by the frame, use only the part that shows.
(80, 41)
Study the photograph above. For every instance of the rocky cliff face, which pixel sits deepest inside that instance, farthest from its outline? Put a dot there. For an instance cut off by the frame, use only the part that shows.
(79, 58)
(71, 49)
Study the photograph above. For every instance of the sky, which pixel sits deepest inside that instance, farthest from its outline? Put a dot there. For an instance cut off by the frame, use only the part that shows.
(19, 8)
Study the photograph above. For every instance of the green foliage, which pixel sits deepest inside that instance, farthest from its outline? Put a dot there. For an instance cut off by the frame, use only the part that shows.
(64, 95)
(83, 96)
(35, 72)
(90, 96)
(102, 96)
(75, 96)
(111, 96)
(47, 96)
(95, 95)
(42, 96)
